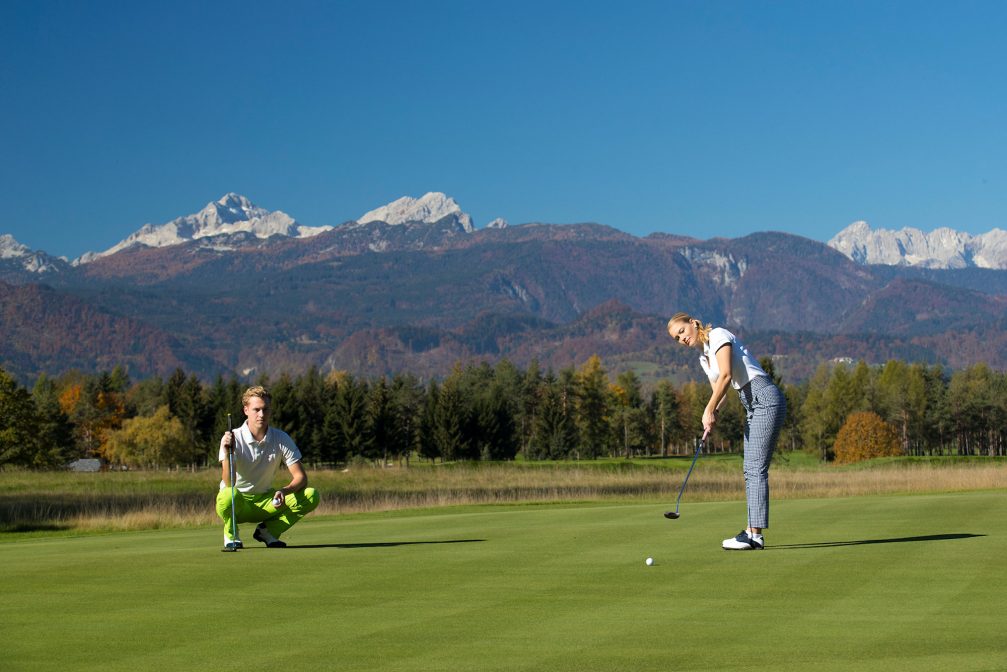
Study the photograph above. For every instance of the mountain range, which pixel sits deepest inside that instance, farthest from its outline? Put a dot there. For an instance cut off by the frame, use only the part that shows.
(941, 248)
(415, 286)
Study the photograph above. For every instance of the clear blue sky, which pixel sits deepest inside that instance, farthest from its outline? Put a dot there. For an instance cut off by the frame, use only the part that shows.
(701, 118)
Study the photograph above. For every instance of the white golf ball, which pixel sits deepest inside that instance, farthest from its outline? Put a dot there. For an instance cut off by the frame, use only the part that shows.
(650, 561)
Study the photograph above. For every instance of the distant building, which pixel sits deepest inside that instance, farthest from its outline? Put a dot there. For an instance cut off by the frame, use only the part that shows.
(88, 465)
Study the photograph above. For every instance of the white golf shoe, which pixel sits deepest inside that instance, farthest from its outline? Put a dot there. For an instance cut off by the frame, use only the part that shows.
(744, 542)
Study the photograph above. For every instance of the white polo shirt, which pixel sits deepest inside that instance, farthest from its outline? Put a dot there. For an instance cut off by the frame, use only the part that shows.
(744, 366)
(256, 462)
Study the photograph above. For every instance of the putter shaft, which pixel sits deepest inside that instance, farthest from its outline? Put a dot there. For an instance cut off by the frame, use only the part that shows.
(672, 515)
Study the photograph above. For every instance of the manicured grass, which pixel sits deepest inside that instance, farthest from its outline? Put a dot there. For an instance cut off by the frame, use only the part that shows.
(860, 583)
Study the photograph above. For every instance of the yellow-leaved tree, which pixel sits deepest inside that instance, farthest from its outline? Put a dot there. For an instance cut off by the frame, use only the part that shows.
(159, 439)
(864, 436)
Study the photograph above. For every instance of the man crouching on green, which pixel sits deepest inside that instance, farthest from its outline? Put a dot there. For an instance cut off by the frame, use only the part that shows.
(258, 450)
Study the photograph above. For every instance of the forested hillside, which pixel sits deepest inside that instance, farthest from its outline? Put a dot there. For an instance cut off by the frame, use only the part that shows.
(379, 299)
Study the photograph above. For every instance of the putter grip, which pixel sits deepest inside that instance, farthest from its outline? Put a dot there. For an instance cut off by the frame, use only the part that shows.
(230, 430)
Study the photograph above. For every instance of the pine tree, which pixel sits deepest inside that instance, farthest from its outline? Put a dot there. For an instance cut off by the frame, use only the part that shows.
(18, 424)
(449, 420)
(54, 432)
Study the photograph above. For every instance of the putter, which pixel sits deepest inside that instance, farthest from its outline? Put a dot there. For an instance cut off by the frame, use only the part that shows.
(672, 515)
(236, 543)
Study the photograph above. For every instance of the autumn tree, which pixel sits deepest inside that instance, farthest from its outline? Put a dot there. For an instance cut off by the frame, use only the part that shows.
(865, 436)
(159, 439)
(95, 406)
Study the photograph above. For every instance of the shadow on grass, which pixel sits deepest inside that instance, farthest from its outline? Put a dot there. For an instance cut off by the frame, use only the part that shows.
(33, 527)
(386, 544)
(865, 542)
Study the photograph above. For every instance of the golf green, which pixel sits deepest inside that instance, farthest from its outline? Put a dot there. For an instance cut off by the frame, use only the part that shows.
(867, 583)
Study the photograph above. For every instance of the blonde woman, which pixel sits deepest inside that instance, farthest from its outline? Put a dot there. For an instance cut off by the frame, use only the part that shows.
(728, 363)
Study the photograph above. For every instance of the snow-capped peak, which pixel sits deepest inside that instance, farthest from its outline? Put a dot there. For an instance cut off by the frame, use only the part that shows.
(232, 213)
(11, 249)
(33, 261)
(429, 208)
(941, 248)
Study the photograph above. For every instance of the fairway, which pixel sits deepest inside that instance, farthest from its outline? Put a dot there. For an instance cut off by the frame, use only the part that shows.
(861, 583)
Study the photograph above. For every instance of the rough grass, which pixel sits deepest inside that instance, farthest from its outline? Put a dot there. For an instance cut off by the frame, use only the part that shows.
(50, 502)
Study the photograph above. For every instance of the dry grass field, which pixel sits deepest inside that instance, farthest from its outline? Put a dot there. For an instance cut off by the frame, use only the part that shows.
(48, 502)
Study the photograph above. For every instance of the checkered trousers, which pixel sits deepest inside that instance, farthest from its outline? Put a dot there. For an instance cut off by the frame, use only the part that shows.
(767, 409)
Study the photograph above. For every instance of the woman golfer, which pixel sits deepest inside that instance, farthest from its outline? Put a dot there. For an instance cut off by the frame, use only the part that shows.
(729, 363)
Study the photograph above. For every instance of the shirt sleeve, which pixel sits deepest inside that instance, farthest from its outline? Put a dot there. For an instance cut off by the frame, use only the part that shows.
(718, 338)
(291, 453)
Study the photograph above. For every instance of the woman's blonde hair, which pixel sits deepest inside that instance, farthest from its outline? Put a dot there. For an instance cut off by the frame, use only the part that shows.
(703, 331)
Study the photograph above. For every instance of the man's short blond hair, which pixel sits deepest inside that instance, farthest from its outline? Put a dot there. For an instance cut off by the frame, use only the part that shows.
(256, 391)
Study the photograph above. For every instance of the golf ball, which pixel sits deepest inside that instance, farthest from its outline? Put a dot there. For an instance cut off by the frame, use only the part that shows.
(650, 561)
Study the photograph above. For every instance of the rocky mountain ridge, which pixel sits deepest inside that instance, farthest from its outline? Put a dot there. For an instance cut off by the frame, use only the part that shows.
(941, 248)
(232, 213)
(429, 208)
(375, 298)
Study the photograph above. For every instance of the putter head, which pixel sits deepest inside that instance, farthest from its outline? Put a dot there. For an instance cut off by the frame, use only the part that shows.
(672, 515)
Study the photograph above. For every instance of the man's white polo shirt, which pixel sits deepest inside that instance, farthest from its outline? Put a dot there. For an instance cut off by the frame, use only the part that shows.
(256, 462)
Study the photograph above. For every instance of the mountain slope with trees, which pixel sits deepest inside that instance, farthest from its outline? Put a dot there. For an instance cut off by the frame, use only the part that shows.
(381, 298)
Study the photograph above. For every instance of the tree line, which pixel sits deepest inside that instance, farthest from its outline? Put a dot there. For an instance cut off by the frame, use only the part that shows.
(484, 412)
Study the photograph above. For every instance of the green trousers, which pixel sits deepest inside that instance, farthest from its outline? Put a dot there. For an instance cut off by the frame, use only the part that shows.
(258, 508)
